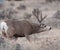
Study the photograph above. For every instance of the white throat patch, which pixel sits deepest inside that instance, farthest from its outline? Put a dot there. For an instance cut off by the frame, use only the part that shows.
(4, 26)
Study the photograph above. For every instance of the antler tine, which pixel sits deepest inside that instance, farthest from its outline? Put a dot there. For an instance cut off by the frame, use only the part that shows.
(40, 16)
(43, 18)
(36, 13)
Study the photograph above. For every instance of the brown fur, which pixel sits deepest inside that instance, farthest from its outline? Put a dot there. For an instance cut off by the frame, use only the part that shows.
(21, 28)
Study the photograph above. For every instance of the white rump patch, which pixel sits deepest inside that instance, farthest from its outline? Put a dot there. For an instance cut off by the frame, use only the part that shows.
(3, 26)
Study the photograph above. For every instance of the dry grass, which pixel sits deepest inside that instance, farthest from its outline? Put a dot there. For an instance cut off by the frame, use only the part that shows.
(48, 40)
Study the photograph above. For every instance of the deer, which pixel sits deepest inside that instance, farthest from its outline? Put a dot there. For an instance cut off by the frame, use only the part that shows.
(24, 28)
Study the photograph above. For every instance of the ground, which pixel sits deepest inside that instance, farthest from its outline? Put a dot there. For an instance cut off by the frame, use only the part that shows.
(47, 40)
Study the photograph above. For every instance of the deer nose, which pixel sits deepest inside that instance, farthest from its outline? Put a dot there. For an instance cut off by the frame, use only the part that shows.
(50, 28)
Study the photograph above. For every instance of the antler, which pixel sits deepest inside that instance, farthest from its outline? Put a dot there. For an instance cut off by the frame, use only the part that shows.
(42, 18)
(36, 13)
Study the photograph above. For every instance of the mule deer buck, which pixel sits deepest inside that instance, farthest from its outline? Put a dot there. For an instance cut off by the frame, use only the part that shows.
(11, 27)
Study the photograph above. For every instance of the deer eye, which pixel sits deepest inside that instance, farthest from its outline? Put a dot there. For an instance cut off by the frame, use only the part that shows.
(44, 25)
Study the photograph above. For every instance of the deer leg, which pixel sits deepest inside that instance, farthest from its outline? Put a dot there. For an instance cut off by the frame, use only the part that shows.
(4, 34)
(28, 38)
(9, 35)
